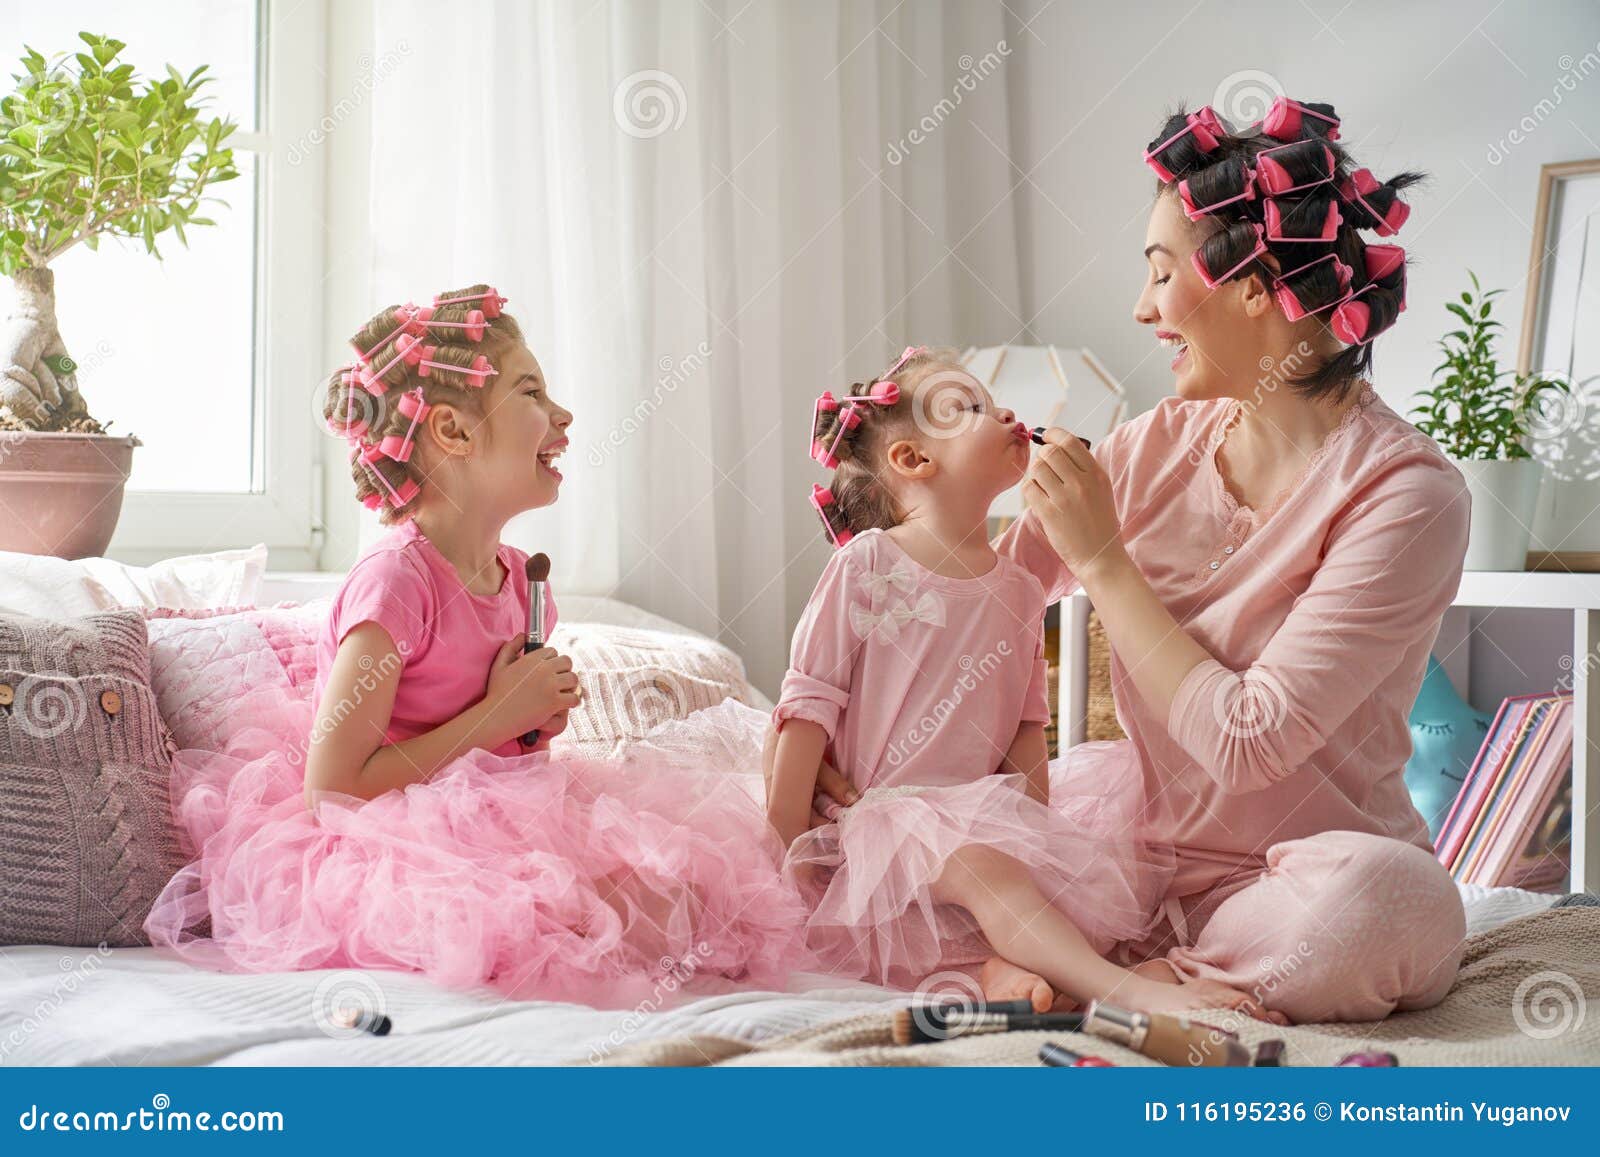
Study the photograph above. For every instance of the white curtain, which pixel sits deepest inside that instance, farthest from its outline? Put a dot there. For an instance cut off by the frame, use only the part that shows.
(705, 213)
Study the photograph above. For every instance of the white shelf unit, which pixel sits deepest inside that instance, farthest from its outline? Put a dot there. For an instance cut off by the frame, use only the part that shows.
(1578, 594)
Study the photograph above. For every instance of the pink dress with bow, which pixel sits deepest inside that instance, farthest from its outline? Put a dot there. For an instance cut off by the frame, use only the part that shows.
(921, 682)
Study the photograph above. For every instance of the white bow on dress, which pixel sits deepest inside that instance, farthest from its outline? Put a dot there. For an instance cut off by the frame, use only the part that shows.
(885, 625)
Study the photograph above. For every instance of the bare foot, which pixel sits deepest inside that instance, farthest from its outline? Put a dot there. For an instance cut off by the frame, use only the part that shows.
(1003, 980)
(1161, 972)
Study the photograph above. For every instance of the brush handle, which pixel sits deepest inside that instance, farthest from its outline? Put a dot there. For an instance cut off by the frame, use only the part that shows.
(534, 639)
(531, 644)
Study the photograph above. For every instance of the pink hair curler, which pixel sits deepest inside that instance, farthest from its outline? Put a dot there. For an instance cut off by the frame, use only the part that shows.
(1213, 282)
(883, 393)
(1384, 261)
(491, 299)
(822, 497)
(1353, 319)
(413, 318)
(408, 490)
(423, 358)
(406, 349)
(1290, 303)
(1386, 265)
(906, 355)
(365, 356)
(1330, 226)
(1195, 212)
(358, 378)
(1361, 184)
(1275, 180)
(825, 403)
(1286, 117)
(1205, 126)
(414, 406)
(480, 371)
(474, 325)
(849, 419)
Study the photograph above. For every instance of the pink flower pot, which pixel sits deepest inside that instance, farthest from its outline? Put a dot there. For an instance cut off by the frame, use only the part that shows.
(61, 494)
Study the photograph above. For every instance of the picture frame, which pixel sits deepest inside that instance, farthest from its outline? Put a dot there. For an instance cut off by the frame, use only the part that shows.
(1561, 337)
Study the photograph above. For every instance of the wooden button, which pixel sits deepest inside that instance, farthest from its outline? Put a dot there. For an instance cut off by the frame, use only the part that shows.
(7, 695)
(111, 702)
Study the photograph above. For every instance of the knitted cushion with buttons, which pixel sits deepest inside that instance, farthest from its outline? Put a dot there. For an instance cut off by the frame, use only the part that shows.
(86, 834)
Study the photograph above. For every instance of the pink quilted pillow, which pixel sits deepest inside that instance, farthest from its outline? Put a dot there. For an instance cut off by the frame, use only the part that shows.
(217, 672)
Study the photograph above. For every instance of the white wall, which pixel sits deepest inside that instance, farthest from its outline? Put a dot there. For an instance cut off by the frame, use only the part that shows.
(1428, 84)
(1435, 85)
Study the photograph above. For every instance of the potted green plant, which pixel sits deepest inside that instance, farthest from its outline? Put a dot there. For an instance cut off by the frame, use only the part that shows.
(1479, 415)
(87, 150)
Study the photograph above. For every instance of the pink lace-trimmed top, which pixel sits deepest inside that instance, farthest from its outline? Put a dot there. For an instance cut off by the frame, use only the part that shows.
(1319, 612)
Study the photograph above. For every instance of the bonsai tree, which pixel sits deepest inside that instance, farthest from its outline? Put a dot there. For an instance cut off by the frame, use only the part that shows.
(89, 150)
(1475, 410)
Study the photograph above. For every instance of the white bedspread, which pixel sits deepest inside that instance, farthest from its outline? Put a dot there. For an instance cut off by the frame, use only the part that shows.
(131, 1006)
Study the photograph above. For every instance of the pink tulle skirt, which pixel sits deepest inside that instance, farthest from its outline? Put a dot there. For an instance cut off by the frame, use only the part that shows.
(869, 875)
(541, 876)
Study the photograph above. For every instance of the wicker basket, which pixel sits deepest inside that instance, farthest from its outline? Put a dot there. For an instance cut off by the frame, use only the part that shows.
(1101, 716)
(1052, 730)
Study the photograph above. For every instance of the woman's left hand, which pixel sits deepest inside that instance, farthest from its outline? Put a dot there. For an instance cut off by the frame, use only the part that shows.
(1070, 493)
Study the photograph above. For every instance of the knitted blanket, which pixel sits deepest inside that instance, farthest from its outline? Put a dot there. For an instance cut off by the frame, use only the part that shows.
(1528, 994)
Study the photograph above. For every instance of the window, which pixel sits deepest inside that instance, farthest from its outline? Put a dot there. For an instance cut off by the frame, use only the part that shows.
(206, 354)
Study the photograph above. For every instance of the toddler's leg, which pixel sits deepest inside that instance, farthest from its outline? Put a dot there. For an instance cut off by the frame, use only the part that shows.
(1027, 930)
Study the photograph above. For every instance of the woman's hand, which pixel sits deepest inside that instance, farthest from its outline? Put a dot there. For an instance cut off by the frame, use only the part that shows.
(1070, 493)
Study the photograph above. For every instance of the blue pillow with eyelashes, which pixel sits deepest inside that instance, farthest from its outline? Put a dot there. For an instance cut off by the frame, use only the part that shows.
(1446, 733)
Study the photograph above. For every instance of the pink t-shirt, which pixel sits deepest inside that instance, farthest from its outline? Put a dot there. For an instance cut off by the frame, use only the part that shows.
(916, 677)
(1319, 613)
(447, 636)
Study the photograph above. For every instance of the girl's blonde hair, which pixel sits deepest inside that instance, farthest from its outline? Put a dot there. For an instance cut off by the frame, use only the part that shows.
(862, 500)
(365, 418)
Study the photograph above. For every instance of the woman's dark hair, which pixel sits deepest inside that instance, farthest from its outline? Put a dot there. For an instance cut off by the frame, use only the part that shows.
(1283, 189)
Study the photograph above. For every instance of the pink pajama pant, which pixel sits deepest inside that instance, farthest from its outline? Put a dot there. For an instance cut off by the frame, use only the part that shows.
(1338, 926)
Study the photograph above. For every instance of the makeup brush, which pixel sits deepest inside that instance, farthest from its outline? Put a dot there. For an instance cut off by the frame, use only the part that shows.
(538, 570)
(1173, 1040)
(933, 1014)
(911, 1029)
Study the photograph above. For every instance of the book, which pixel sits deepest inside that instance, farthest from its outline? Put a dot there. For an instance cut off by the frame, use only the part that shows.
(1519, 759)
(1498, 778)
(1479, 778)
(1548, 770)
(1508, 792)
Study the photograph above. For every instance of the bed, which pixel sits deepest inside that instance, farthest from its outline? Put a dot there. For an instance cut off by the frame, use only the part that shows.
(132, 1006)
(136, 1006)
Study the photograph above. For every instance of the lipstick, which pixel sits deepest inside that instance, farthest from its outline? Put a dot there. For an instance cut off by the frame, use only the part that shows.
(1036, 436)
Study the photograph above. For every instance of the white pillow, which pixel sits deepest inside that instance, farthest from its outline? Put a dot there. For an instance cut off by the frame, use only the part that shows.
(58, 588)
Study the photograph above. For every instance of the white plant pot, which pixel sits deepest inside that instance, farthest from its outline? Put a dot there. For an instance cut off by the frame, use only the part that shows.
(1505, 495)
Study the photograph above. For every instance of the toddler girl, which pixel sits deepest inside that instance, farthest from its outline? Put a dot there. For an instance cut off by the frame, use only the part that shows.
(918, 671)
(423, 835)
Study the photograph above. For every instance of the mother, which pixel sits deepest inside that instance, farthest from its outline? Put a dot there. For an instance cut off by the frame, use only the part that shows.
(1271, 551)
